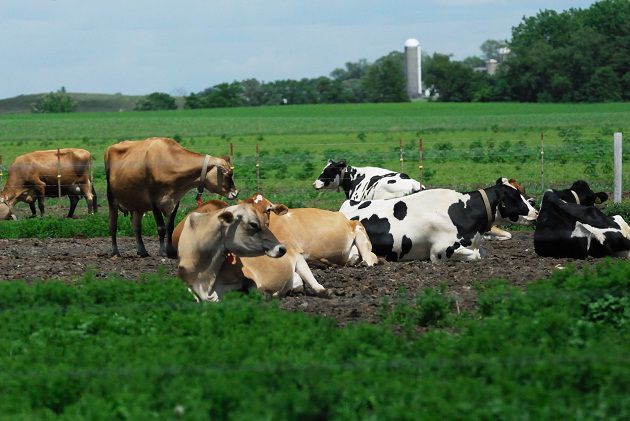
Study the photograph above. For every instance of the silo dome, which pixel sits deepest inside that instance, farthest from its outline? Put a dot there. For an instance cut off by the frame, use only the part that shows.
(412, 42)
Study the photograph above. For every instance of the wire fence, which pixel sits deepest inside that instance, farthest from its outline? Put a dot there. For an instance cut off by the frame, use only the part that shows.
(282, 170)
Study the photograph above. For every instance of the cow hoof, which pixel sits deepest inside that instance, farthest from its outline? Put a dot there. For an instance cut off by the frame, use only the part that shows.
(142, 253)
(324, 293)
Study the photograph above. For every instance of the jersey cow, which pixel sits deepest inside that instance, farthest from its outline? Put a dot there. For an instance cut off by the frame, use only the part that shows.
(311, 234)
(439, 223)
(39, 174)
(153, 175)
(366, 183)
(566, 229)
(208, 238)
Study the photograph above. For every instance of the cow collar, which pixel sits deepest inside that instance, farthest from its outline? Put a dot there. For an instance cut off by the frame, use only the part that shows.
(486, 203)
(342, 174)
(204, 169)
(577, 199)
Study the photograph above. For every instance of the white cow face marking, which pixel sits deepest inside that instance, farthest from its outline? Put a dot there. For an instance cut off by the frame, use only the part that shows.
(330, 178)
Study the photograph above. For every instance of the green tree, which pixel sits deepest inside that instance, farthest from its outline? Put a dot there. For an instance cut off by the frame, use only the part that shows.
(156, 101)
(55, 102)
(385, 79)
(490, 49)
(449, 80)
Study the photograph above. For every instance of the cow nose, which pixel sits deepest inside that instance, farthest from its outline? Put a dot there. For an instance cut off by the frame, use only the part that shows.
(282, 250)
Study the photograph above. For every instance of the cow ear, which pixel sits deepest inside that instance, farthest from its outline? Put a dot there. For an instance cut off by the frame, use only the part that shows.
(600, 197)
(226, 217)
(342, 163)
(280, 209)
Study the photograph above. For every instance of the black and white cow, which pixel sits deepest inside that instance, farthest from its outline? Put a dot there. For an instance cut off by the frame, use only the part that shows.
(580, 192)
(439, 223)
(366, 183)
(567, 229)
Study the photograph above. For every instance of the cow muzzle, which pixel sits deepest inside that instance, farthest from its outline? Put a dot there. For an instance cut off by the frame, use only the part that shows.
(277, 251)
(318, 184)
(232, 195)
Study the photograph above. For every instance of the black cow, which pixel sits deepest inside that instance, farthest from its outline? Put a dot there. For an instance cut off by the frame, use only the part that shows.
(566, 229)
(581, 193)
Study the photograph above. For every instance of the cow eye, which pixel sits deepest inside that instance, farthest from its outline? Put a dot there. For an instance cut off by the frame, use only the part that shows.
(254, 225)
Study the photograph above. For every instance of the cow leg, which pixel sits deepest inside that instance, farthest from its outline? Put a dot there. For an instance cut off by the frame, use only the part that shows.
(87, 190)
(497, 233)
(33, 210)
(302, 269)
(364, 245)
(296, 283)
(113, 220)
(159, 221)
(73, 205)
(94, 204)
(170, 250)
(136, 221)
(40, 205)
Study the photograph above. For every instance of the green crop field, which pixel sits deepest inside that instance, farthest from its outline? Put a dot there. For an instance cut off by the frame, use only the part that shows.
(116, 349)
(465, 146)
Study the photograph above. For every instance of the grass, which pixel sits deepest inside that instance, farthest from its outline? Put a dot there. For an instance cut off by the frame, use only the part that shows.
(115, 349)
(466, 146)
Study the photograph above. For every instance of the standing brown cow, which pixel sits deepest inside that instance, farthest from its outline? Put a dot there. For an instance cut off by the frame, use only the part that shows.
(153, 175)
(35, 175)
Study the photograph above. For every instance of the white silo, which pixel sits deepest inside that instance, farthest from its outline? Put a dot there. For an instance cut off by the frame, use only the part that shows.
(413, 68)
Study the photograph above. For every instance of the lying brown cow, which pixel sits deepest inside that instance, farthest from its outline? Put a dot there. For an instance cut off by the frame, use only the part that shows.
(274, 277)
(33, 176)
(208, 238)
(153, 175)
(314, 234)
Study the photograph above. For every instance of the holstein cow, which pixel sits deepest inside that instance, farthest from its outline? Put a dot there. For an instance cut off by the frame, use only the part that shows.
(580, 193)
(153, 175)
(567, 229)
(35, 175)
(439, 223)
(497, 233)
(366, 183)
(208, 238)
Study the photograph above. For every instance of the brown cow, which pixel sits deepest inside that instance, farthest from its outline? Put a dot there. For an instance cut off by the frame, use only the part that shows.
(274, 277)
(153, 175)
(207, 238)
(34, 175)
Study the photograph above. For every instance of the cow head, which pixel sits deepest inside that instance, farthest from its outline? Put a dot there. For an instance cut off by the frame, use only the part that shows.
(219, 179)
(331, 175)
(246, 234)
(5, 210)
(587, 196)
(513, 207)
(264, 205)
(512, 182)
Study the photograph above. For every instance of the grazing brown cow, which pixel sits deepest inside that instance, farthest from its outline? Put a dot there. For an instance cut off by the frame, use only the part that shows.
(207, 238)
(153, 175)
(34, 175)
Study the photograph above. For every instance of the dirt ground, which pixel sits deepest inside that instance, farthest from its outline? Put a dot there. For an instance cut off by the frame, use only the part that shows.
(357, 292)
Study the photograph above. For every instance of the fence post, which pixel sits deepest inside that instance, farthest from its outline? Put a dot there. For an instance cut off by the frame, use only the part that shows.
(402, 159)
(1, 169)
(58, 179)
(617, 157)
(257, 170)
(542, 162)
(420, 159)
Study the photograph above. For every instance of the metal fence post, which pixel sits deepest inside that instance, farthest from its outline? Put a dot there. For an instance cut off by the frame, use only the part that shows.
(420, 159)
(542, 162)
(402, 159)
(257, 169)
(618, 159)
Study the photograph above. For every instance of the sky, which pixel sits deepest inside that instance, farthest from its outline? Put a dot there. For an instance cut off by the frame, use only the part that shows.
(136, 47)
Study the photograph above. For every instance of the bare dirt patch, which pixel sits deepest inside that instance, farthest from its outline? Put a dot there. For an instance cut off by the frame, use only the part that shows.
(357, 292)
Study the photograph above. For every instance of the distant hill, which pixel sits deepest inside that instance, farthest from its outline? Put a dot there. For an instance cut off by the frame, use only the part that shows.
(86, 102)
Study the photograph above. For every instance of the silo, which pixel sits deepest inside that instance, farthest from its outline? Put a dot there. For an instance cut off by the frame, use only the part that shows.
(413, 69)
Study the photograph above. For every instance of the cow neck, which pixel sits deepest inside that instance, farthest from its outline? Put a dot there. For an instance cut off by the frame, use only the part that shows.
(346, 181)
(486, 203)
(190, 169)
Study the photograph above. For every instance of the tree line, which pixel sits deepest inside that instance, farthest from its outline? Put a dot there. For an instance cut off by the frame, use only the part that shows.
(577, 55)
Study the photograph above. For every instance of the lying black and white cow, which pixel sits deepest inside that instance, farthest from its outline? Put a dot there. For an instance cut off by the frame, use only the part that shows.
(439, 223)
(366, 183)
(580, 192)
(567, 229)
